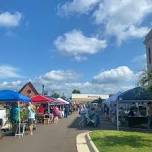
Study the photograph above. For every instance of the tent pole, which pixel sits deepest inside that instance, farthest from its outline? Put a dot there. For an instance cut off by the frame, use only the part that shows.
(117, 106)
(19, 132)
(19, 125)
(48, 108)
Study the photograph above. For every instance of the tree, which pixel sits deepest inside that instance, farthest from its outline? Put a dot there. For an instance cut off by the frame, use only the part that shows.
(76, 91)
(63, 96)
(100, 100)
(55, 95)
(145, 80)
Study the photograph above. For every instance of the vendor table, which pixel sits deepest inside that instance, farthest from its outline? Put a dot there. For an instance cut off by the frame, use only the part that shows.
(136, 121)
(44, 118)
(40, 118)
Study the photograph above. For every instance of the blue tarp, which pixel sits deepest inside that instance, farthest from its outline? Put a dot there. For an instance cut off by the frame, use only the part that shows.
(12, 96)
(135, 94)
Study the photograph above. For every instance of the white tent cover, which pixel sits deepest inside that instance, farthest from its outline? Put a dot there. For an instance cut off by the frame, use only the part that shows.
(62, 100)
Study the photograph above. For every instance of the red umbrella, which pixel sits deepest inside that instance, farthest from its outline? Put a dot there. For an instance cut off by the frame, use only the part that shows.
(41, 99)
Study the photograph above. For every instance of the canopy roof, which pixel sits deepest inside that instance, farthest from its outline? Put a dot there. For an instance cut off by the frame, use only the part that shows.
(113, 98)
(60, 101)
(12, 96)
(42, 99)
(63, 101)
(137, 94)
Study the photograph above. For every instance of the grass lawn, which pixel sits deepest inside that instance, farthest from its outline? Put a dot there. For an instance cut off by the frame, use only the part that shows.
(121, 141)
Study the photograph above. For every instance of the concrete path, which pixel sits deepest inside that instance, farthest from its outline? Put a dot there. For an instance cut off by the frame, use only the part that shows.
(60, 137)
(82, 145)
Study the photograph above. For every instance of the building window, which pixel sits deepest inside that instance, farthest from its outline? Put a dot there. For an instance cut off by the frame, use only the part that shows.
(149, 55)
(28, 91)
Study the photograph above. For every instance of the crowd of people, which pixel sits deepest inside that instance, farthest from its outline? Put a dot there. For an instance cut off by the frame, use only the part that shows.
(129, 111)
(90, 115)
(30, 113)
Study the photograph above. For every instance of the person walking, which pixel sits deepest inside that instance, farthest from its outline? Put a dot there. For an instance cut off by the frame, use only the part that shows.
(14, 116)
(66, 111)
(56, 112)
(31, 117)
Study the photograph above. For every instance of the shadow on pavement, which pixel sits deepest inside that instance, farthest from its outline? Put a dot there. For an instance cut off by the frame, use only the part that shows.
(76, 124)
(103, 125)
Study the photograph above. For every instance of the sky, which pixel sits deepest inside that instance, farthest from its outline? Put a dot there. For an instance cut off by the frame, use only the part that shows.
(96, 46)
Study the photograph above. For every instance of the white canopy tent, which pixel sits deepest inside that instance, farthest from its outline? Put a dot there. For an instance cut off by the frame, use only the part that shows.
(62, 100)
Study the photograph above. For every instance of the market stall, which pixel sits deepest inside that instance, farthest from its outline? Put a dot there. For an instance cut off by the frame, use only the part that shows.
(43, 116)
(62, 101)
(10, 96)
(135, 100)
(112, 99)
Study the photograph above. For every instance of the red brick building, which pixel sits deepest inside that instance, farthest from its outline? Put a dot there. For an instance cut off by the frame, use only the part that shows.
(29, 90)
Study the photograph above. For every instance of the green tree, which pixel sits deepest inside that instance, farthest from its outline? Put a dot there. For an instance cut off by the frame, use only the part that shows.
(63, 96)
(100, 100)
(55, 95)
(145, 80)
(76, 91)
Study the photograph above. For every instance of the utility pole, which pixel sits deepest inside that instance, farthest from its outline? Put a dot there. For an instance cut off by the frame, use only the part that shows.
(42, 89)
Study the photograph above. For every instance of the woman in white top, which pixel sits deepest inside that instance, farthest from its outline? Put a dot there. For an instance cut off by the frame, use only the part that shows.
(31, 117)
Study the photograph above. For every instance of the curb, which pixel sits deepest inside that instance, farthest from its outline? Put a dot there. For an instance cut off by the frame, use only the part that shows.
(91, 144)
(81, 143)
(84, 143)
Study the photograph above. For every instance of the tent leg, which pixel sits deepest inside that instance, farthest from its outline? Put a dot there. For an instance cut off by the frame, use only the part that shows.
(117, 115)
(19, 126)
(19, 132)
(48, 108)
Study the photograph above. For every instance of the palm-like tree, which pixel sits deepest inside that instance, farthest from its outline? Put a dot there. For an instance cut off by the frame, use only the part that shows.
(145, 80)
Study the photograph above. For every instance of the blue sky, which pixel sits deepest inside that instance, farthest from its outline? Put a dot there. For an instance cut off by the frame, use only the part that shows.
(93, 45)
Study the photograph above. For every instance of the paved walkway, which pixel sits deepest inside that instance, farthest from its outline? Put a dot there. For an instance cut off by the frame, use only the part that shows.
(60, 137)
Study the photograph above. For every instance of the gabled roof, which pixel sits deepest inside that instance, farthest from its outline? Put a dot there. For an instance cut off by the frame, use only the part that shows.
(31, 86)
(135, 94)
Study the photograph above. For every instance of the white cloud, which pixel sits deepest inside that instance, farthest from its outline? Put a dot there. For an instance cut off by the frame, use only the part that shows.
(123, 18)
(64, 81)
(140, 59)
(80, 58)
(77, 45)
(11, 84)
(8, 72)
(106, 82)
(115, 76)
(58, 76)
(8, 19)
(111, 81)
(140, 62)
(78, 6)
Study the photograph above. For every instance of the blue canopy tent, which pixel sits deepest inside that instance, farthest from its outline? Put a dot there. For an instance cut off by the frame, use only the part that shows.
(137, 94)
(13, 96)
(112, 99)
